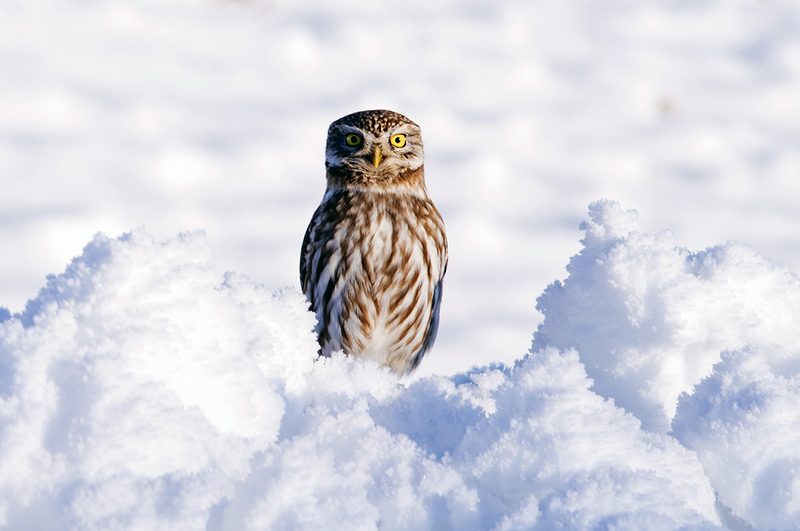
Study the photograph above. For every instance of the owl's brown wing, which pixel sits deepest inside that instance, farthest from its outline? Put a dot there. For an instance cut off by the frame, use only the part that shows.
(306, 252)
(433, 326)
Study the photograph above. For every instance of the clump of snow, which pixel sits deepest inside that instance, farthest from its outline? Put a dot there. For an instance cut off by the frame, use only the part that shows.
(650, 319)
(543, 451)
(744, 423)
(138, 383)
(703, 344)
(143, 390)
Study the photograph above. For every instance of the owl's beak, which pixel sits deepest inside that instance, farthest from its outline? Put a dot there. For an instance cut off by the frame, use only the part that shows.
(376, 156)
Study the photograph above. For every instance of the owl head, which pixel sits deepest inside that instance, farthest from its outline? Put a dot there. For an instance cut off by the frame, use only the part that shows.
(376, 149)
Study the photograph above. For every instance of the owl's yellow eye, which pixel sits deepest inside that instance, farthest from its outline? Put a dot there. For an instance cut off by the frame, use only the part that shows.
(352, 139)
(398, 140)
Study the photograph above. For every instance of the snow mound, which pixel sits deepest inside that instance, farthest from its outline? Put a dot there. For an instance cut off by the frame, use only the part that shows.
(700, 345)
(651, 319)
(744, 423)
(143, 390)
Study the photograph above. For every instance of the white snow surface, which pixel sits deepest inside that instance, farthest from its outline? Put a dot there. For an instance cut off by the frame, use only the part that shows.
(744, 423)
(144, 389)
(650, 319)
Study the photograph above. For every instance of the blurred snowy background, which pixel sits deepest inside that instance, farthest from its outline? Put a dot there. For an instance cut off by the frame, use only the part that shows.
(187, 114)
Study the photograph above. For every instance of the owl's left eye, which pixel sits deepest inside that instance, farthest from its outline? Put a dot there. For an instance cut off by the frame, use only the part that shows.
(352, 139)
(398, 140)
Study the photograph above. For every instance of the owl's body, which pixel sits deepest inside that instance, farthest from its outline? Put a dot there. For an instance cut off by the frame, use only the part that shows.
(375, 252)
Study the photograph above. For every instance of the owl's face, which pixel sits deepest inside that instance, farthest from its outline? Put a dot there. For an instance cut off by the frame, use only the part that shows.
(373, 147)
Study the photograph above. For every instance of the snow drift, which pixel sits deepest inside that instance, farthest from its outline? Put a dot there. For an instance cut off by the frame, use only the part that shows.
(144, 390)
(703, 344)
(651, 319)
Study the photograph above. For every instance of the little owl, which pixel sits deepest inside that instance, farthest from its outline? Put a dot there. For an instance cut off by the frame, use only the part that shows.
(375, 252)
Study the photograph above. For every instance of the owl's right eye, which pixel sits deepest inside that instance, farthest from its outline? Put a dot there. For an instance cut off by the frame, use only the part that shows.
(352, 140)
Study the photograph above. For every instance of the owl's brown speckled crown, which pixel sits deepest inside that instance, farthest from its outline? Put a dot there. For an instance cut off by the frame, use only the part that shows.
(378, 121)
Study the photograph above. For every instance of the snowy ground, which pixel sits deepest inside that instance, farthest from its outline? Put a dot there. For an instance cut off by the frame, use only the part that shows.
(144, 389)
(177, 115)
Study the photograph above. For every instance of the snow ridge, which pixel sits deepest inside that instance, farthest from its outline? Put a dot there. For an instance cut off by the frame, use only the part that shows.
(144, 390)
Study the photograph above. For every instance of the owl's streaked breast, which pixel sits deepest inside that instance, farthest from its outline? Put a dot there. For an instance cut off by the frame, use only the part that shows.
(374, 264)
